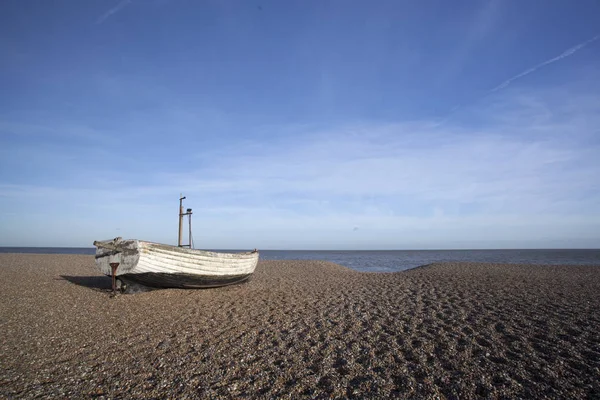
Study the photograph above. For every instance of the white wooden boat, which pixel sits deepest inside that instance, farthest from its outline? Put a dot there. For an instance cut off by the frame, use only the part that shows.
(165, 266)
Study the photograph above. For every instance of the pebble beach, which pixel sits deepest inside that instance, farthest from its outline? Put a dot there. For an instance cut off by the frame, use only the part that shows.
(302, 329)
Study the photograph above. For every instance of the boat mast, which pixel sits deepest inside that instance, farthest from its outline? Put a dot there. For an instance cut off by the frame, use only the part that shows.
(180, 220)
(189, 213)
(181, 214)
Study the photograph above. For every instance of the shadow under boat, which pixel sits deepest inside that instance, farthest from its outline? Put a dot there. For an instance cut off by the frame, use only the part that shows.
(148, 282)
(104, 284)
(93, 282)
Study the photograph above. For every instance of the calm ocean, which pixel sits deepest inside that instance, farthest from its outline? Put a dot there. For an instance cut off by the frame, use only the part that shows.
(392, 260)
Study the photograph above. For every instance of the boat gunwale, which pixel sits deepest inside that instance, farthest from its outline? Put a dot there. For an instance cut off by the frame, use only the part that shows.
(176, 249)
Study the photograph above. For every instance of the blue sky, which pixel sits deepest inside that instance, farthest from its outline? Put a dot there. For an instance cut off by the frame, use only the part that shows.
(301, 124)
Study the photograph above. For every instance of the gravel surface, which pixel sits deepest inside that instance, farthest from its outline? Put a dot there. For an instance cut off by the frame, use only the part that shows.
(302, 329)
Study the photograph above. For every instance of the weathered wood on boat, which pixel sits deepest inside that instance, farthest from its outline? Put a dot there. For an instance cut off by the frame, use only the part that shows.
(160, 265)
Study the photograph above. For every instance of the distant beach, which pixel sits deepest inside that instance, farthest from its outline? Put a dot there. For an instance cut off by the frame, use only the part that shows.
(302, 329)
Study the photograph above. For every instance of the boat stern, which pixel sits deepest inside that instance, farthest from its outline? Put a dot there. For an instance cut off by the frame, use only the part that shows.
(125, 253)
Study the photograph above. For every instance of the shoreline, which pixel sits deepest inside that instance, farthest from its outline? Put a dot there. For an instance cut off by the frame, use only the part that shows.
(395, 260)
(302, 329)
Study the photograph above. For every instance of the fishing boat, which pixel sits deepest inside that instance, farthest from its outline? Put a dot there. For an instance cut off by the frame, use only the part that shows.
(156, 265)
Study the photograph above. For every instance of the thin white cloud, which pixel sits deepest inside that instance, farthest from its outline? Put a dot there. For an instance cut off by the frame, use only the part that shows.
(530, 174)
(113, 11)
(565, 54)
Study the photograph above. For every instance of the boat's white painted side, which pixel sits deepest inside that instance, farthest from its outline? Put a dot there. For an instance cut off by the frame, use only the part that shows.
(140, 257)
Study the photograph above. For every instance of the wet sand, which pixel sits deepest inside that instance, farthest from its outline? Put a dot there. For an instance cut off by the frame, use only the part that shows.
(302, 329)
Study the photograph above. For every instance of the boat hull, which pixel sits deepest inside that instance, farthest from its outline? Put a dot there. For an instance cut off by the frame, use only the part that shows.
(183, 281)
(163, 266)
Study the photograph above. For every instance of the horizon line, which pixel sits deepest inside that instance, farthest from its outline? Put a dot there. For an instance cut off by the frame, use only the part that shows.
(436, 249)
